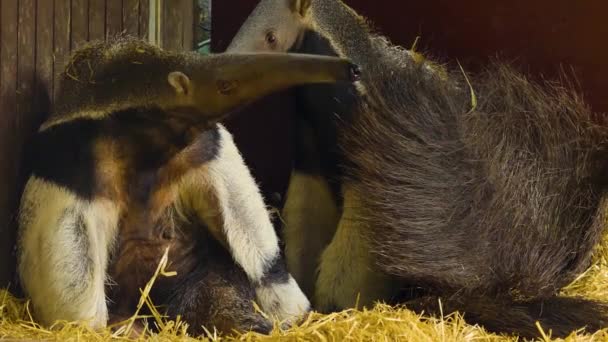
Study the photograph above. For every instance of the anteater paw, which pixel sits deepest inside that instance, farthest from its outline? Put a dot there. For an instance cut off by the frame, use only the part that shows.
(283, 301)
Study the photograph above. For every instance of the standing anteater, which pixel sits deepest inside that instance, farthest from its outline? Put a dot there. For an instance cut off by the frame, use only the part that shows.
(134, 154)
(492, 204)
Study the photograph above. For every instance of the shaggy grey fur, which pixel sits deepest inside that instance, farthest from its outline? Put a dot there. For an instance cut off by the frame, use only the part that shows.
(493, 207)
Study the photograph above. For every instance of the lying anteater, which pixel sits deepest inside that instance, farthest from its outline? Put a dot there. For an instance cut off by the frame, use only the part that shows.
(493, 202)
(134, 151)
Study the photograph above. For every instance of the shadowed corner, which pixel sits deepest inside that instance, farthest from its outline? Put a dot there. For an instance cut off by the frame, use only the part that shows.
(7, 190)
(19, 140)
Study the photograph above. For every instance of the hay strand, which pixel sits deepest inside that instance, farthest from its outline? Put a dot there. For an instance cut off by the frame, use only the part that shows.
(382, 323)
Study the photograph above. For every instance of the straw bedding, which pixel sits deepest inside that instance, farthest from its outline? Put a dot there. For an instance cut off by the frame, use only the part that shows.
(383, 323)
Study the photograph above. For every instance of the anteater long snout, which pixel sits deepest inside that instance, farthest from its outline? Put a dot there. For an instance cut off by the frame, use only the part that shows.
(240, 79)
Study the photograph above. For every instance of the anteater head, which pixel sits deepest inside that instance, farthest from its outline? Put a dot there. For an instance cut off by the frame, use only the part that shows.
(274, 26)
(320, 27)
(103, 78)
(222, 83)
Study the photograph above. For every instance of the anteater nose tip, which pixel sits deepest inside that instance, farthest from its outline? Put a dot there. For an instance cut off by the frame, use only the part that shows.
(355, 72)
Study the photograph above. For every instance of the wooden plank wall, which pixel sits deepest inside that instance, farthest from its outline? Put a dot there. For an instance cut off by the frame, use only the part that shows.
(177, 25)
(36, 37)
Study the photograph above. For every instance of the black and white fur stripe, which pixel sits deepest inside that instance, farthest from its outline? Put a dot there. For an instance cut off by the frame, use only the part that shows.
(65, 240)
(64, 245)
(247, 229)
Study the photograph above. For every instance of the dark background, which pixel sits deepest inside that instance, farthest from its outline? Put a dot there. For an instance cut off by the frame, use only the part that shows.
(541, 35)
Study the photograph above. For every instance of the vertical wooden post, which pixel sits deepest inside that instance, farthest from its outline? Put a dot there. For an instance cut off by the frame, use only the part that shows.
(154, 22)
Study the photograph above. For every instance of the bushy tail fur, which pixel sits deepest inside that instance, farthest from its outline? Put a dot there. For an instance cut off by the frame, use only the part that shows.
(557, 316)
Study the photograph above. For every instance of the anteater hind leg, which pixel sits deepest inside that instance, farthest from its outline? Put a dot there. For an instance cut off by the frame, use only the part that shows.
(224, 195)
(311, 218)
(64, 243)
(347, 272)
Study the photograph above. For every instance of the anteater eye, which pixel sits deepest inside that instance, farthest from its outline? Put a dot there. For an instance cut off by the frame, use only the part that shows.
(271, 38)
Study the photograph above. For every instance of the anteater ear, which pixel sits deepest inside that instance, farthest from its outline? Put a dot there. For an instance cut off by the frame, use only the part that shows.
(300, 6)
(180, 82)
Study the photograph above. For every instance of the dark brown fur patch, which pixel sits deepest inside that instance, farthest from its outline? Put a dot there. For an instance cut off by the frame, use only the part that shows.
(209, 289)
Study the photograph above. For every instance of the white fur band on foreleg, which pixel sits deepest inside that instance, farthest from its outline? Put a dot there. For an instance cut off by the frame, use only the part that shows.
(311, 218)
(64, 243)
(246, 222)
(249, 232)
